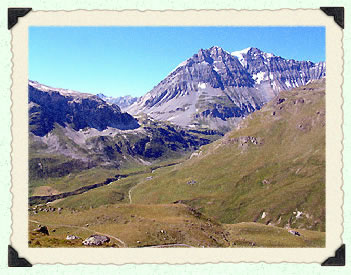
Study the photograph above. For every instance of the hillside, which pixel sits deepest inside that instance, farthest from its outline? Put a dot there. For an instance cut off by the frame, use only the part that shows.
(246, 189)
(173, 225)
(270, 170)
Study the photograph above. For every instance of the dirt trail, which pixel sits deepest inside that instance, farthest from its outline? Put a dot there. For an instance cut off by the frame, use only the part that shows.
(131, 189)
(84, 228)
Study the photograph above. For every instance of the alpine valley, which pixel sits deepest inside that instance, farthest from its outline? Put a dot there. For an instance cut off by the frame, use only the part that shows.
(227, 151)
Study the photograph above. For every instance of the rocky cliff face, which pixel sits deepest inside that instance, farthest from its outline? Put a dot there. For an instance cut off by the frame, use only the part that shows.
(215, 88)
(280, 73)
(68, 108)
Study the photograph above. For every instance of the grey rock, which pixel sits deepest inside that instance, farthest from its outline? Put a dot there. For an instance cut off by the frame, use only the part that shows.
(96, 240)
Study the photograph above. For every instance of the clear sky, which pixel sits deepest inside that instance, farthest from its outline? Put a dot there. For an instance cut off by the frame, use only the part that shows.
(118, 61)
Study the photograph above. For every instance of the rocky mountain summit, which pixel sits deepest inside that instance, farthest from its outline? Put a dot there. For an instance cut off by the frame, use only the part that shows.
(122, 101)
(280, 73)
(216, 89)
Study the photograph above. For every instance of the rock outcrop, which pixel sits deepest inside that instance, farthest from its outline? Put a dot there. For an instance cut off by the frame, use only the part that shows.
(96, 240)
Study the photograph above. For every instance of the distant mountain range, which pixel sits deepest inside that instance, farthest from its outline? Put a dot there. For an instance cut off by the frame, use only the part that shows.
(215, 88)
(121, 101)
(235, 137)
(203, 97)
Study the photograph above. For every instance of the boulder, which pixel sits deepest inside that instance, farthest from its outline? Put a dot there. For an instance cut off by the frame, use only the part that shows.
(42, 229)
(96, 240)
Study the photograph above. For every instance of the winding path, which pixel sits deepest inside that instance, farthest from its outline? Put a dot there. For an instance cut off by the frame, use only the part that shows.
(131, 189)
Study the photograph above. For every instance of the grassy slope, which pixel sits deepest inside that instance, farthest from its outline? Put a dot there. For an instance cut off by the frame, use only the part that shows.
(116, 192)
(237, 182)
(72, 181)
(260, 235)
(151, 225)
(130, 223)
(84, 177)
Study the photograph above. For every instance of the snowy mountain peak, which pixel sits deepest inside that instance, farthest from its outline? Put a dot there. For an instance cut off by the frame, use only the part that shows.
(241, 52)
(215, 88)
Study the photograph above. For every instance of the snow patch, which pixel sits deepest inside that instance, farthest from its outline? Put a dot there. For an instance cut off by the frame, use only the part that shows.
(287, 83)
(240, 55)
(268, 55)
(171, 118)
(201, 85)
(241, 52)
(259, 77)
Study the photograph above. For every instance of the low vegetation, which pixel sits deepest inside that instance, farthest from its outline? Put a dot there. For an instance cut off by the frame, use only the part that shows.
(238, 191)
(174, 225)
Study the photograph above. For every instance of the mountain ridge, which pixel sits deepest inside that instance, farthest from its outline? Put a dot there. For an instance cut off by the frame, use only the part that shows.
(215, 88)
(48, 106)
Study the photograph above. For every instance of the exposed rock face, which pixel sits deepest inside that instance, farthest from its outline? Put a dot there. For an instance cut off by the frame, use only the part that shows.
(216, 88)
(96, 240)
(122, 101)
(279, 73)
(48, 106)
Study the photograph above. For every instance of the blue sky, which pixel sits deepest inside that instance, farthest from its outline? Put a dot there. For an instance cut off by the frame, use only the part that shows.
(132, 60)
